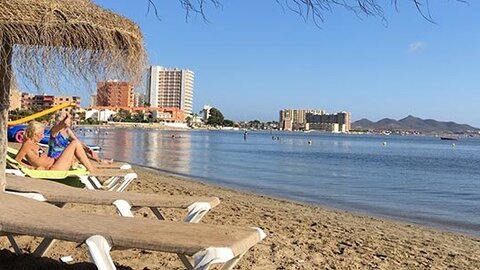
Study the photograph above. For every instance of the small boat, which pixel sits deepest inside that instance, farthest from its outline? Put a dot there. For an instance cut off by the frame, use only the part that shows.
(448, 138)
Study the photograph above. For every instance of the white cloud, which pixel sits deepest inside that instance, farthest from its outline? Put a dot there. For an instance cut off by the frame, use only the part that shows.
(417, 46)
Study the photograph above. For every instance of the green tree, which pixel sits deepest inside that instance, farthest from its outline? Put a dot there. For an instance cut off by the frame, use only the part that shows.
(216, 117)
(123, 116)
(228, 123)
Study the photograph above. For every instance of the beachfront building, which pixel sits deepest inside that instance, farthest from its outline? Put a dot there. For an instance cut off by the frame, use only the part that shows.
(138, 99)
(165, 115)
(295, 119)
(170, 88)
(42, 102)
(206, 112)
(57, 100)
(337, 122)
(113, 93)
(93, 100)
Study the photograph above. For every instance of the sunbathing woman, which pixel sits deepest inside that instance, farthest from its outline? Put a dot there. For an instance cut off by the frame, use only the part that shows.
(61, 135)
(30, 151)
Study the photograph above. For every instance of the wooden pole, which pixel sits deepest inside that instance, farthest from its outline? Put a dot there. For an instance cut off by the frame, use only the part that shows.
(5, 80)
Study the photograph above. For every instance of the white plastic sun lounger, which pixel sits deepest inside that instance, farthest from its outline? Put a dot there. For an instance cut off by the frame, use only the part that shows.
(60, 194)
(206, 244)
(118, 179)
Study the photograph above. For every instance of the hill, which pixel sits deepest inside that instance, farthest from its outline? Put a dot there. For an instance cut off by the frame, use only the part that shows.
(412, 123)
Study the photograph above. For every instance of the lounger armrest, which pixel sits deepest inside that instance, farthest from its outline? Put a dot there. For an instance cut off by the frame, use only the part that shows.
(203, 259)
(196, 211)
(261, 233)
(126, 167)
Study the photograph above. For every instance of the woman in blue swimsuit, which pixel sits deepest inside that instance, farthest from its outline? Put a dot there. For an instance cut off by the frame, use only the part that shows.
(61, 135)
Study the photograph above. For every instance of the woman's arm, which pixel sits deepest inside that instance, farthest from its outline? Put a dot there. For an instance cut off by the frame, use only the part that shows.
(87, 149)
(57, 127)
(72, 137)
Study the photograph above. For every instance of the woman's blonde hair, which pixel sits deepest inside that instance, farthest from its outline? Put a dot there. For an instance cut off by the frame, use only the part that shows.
(33, 128)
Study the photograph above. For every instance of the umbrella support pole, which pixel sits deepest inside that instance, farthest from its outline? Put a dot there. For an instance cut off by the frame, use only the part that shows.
(5, 80)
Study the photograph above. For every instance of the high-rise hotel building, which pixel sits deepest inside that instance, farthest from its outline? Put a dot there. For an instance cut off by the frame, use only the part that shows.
(170, 88)
(114, 93)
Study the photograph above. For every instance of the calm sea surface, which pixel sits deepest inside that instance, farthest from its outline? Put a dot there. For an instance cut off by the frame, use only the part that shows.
(421, 180)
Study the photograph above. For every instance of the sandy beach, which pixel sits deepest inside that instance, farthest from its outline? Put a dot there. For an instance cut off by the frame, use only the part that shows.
(300, 236)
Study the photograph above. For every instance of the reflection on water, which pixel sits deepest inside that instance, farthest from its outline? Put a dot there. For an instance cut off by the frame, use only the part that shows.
(145, 146)
(417, 179)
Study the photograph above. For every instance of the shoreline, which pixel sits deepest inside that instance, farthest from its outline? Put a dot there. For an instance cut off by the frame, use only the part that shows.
(300, 235)
(426, 223)
(159, 126)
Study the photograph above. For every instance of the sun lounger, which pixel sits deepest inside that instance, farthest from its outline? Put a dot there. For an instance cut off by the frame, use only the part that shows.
(116, 179)
(60, 194)
(207, 244)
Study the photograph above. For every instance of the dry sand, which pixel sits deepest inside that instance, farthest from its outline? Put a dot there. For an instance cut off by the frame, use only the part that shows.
(300, 236)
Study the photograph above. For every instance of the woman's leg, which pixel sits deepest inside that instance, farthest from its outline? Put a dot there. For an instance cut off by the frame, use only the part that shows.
(74, 149)
(65, 161)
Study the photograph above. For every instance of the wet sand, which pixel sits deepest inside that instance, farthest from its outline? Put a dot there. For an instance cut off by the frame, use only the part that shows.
(300, 236)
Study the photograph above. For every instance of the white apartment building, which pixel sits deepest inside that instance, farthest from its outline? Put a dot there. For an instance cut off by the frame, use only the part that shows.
(170, 88)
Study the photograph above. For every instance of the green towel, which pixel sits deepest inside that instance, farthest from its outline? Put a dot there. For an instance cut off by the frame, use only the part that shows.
(44, 174)
(52, 174)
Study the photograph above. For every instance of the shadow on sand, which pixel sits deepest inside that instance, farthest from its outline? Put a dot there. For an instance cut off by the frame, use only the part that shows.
(10, 261)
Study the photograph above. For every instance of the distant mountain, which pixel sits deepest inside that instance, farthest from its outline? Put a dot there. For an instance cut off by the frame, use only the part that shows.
(412, 123)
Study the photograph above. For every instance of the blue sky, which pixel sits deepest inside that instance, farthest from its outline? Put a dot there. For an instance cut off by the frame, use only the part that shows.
(252, 59)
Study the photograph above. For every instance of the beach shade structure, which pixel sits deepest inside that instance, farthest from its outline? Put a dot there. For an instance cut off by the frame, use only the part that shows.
(207, 244)
(45, 42)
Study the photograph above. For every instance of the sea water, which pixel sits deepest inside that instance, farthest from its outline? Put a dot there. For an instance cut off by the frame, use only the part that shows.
(416, 179)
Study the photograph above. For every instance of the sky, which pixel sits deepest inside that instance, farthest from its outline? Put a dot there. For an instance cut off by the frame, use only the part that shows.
(253, 58)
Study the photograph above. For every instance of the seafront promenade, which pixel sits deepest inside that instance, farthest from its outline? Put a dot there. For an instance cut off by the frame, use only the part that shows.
(300, 236)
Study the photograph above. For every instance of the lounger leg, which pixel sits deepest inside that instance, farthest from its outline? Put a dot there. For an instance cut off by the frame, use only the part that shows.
(230, 264)
(99, 250)
(123, 208)
(157, 213)
(205, 258)
(127, 179)
(111, 183)
(86, 181)
(18, 251)
(43, 247)
(185, 261)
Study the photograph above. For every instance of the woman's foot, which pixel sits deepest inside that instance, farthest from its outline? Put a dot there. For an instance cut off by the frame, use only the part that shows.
(105, 161)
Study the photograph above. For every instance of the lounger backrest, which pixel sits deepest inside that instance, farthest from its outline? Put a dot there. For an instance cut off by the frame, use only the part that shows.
(19, 215)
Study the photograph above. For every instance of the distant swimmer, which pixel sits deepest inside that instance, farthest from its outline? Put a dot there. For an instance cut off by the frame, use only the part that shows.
(309, 142)
(384, 144)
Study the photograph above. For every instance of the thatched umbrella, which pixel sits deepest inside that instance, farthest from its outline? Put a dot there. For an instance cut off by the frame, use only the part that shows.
(45, 41)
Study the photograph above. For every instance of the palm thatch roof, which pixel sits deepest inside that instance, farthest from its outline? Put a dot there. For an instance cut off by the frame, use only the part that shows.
(57, 39)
